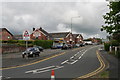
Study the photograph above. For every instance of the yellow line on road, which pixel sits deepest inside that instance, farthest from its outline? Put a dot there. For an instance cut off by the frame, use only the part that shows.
(102, 66)
(33, 62)
(36, 61)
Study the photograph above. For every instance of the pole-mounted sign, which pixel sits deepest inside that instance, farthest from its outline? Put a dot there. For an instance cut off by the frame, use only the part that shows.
(26, 36)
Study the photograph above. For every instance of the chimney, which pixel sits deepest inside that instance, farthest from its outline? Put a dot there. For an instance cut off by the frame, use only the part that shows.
(33, 29)
(40, 28)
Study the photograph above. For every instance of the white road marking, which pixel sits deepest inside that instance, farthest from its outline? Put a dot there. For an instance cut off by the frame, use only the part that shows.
(0, 77)
(75, 54)
(64, 61)
(74, 62)
(38, 69)
(58, 67)
(72, 57)
(48, 70)
(79, 57)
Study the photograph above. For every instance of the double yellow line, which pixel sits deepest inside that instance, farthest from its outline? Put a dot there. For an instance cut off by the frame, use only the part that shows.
(101, 68)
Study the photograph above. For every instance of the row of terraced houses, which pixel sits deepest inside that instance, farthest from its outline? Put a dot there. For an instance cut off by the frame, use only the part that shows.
(41, 34)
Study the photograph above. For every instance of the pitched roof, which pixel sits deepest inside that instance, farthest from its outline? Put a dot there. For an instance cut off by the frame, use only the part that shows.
(59, 35)
(1, 29)
(45, 32)
(75, 35)
(18, 35)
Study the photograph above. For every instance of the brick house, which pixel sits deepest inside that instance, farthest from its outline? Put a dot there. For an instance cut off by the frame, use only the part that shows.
(5, 34)
(66, 36)
(18, 37)
(40, 34)
(95, 40)
(78, 38)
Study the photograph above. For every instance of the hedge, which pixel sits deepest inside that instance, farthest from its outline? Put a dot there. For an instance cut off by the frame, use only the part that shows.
(112, 43)
(106, 46)
(43, 43)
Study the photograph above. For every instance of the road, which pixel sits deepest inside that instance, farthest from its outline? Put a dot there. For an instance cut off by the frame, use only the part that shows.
(71, 64)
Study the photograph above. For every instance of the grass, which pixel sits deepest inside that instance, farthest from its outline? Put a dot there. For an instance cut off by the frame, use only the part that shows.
(104, 74)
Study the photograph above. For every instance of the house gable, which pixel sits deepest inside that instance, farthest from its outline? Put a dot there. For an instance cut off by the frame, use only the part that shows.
(40, 34)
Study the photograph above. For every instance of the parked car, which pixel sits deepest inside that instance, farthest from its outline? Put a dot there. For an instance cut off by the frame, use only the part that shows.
(77, 45)
(59, 46)
(40, 48)
(54, 47)
(81, 45)
(30, 52)
(70, 46)
(65, 46)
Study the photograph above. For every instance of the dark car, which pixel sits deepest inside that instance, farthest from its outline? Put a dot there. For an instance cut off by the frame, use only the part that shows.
(70, 46)
(81, 45)
(30, 52)
(65, 46)
(54, 47)
(40, 48)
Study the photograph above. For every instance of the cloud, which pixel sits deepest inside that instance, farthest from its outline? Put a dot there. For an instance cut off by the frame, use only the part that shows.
(54, 16)
(63, 28)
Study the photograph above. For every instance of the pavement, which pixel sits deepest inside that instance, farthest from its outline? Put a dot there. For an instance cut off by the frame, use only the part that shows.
(113, 65)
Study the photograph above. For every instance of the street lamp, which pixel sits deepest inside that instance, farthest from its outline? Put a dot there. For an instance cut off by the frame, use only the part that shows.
(71, 21)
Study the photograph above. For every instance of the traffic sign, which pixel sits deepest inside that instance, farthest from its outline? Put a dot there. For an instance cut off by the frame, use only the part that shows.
(26, 35)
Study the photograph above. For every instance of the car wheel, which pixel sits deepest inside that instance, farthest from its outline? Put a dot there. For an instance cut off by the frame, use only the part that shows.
(23, 56)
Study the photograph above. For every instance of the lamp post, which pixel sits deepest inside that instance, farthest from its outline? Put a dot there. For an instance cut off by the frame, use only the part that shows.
(71, 21)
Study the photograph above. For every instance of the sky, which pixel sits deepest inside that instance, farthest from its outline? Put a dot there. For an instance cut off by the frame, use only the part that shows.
(55, 16)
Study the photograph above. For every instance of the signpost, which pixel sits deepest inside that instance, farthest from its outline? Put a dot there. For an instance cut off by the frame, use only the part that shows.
(26, 36)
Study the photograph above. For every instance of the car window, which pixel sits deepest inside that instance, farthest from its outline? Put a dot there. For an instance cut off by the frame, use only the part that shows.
(36, 49)
(30, 49)
(40, 47)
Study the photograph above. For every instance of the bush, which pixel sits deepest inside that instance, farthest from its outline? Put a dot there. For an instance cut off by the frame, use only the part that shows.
(4, 41)
(114, 43)
(24, 45)
(21, 41)
(12, 41)
(44, 43)
(118, 53)
(106, 46)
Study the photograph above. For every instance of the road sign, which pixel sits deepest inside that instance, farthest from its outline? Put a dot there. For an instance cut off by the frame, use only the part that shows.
(26, 35)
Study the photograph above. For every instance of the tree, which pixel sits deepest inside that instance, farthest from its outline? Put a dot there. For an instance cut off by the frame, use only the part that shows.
(112, 19)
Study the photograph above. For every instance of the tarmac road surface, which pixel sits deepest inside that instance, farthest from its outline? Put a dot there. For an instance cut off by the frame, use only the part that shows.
(71, 64)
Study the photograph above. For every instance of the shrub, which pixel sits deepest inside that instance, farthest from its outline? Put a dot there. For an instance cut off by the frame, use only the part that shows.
(106, 46)
(4, 41)
(44, 43)
(12, 41)
(114, 43)
(21, 41)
